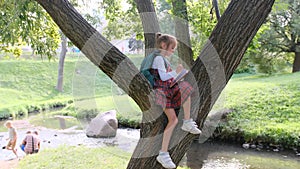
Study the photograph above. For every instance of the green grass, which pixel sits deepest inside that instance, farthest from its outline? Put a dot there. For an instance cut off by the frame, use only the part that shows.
(26, 83)
(78, 157)
(265, 109)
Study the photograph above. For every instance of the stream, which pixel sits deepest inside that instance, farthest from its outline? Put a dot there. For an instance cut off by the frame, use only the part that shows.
(208, 155)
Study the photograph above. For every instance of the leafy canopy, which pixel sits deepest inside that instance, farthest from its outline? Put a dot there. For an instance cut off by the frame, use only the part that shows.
(25, 22)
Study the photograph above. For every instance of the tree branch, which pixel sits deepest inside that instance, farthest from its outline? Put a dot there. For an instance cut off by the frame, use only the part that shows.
(99, 51)
(182, 32)
(216, 6)
(150, 23)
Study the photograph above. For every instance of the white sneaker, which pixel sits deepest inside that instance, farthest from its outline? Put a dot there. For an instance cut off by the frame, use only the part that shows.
(191, 127)
(165, 160)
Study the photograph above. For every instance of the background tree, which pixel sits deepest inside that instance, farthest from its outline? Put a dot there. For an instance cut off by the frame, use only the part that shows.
(284, 33)
(273, 49)
(182, 32)
(95, 20)
(202, 22)
(26, 22)
(62, 56)
(217, 10)
(228, 43)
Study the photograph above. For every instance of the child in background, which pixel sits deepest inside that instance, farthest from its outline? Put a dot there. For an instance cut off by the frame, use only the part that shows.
(24, 143)
(32, 143)
(168, 97)
(12, 137)
(39, 142)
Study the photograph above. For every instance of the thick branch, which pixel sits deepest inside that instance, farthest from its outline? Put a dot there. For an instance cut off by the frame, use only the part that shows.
(98, 50)
(150, 23)
(182, 32)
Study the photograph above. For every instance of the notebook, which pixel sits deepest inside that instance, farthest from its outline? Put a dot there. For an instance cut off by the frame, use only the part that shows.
(179, 77)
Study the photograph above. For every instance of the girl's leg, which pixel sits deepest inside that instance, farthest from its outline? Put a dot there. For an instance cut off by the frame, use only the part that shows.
(172, 122)
(164, 157)
(188, 124)
(14, 150)
(187, 109)
(9, 145)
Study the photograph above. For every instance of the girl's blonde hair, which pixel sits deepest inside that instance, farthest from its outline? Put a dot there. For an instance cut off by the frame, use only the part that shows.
(164, 38)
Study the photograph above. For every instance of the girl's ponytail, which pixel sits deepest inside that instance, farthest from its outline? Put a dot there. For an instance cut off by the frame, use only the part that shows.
(164, 38)
(157, 35)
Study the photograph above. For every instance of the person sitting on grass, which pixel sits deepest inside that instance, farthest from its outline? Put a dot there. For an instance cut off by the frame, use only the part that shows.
(22, 146)
(32, 143)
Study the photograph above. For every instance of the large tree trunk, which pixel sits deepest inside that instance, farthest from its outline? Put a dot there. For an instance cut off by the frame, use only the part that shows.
(182, 32)
(296, 64)
(62, 56)
(150, 23)
(210, 72)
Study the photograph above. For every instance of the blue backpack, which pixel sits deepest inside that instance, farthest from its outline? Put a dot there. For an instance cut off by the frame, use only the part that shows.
(147, 65)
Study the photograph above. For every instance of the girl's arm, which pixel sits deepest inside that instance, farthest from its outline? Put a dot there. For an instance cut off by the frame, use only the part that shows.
(159, 64)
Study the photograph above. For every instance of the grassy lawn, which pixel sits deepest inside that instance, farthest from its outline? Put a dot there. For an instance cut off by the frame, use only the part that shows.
(263, 108)
(80, 156)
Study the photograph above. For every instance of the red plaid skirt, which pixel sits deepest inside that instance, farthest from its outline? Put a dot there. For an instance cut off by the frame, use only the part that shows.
(170, 97)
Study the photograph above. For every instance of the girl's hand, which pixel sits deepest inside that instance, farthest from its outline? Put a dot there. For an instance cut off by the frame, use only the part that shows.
(179, 68)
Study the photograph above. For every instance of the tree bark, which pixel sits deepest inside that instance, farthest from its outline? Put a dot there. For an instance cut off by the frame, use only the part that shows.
(296, 64)
(62, 56)
(182, 32)
(150, 23)
(209, 75)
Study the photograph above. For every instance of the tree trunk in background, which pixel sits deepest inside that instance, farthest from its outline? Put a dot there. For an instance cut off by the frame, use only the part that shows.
(296, 64)
(62, 56)
(216, 6)
(150, 23)
(210, 72)
(182, 32)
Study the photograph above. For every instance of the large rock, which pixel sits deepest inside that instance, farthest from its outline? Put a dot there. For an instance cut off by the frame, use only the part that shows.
(103, 125)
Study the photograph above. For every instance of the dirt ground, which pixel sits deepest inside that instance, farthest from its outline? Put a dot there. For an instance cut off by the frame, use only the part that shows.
(11, 164)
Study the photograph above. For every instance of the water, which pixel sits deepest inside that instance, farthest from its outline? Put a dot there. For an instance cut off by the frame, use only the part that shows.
(218, 155)
(209, 155)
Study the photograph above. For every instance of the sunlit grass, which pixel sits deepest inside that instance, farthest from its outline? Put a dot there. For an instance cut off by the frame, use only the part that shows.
(79, 157)
(265, 108)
